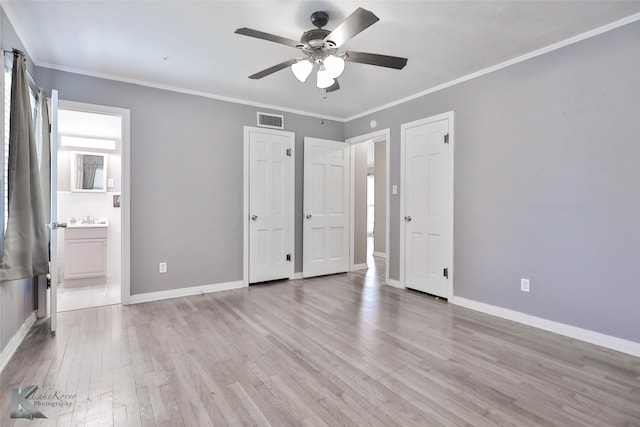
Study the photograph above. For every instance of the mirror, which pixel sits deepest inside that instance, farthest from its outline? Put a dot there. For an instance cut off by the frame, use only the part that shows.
(88, 172)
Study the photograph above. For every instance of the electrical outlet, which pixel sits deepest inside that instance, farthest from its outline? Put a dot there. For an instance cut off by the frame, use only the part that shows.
(524, 285)
(162, 267)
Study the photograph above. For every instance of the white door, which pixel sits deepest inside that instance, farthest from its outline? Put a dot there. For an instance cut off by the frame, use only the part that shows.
(427, 205)
(325, 228)
(271, 184)
(53, 267)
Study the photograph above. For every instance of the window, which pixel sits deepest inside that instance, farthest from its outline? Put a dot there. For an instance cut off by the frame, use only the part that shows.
(371, 199)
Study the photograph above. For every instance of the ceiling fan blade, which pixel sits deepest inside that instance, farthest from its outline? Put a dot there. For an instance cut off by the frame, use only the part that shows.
(334, 87)
(266, 36)
(271, 70)
(374, 59)
(354, 24)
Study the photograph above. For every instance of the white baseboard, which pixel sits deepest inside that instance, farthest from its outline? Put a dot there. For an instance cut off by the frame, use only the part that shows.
(380, 254)
(597, 338)
(395, 283)
(357, 267)
(296, 276)
(183, 292)
(16, 340)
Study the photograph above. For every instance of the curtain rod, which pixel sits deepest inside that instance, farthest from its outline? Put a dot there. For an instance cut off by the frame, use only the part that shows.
(29, 76)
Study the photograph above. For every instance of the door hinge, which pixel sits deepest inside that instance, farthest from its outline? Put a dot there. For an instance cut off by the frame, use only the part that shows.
(288, 257)
(446, 138)
(446, 273)
(48, 282)
(49, 127)
(289, 152)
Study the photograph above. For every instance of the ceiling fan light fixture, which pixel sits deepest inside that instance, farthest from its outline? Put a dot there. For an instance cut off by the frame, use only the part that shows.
(324, 79)
(302, 69)
(334, 65)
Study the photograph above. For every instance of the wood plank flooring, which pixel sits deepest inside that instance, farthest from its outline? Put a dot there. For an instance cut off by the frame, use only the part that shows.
(341, 350)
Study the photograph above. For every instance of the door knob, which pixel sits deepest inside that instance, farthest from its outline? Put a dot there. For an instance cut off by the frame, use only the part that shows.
(254, 217)
(308, 216)
(407, 218)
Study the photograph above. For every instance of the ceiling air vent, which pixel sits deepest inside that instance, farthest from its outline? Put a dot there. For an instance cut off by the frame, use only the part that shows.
(272, 121)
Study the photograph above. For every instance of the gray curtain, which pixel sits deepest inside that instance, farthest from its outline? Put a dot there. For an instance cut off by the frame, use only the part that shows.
(89, 167)
(43, 148)
(25, 241)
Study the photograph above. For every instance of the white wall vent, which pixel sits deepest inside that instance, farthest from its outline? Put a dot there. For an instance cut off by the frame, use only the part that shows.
(273, 121)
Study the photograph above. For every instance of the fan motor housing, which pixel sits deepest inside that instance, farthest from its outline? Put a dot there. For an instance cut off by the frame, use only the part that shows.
(315, 34)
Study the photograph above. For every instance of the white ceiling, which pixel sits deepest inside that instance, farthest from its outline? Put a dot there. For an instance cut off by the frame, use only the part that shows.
(443, 40)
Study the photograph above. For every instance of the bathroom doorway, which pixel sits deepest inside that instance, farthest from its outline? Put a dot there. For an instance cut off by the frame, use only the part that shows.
(90, 185)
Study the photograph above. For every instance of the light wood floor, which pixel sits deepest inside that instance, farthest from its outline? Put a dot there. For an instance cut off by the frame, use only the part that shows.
(332, 351)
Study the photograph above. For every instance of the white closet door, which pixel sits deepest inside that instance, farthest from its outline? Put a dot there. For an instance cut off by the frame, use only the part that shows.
(270, 205)
(326, 207)
(427, 216)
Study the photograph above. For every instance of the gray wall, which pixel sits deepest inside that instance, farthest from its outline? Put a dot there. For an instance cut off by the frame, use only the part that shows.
(546, 183)
(186, 178)
(380, 194)
(16, 297)
(360, 204)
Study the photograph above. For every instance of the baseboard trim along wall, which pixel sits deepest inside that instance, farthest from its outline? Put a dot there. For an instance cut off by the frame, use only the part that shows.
(296, 276)
(183, 292)
(357, 267)
(394, 283)
(597, 338)
(13, 344)
(380, 254)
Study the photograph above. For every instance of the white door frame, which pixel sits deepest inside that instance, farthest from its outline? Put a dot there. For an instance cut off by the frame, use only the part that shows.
(450, 116)
(245, 198)
(375, 136)
(125, 186)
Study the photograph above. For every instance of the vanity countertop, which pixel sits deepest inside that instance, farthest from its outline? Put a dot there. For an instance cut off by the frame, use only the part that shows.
(102, 224)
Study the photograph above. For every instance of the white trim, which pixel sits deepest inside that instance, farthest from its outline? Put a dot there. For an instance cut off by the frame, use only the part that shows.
(296, 276)
(184, 292)
(16, 340)
(505, 64)
(449, 115)
(245, 204)
(592, 337)
(11, 16)
(380, 254)
(125, 185)
(362, 266)
(352, 208)
(395, 284)
(379, 135)
(186, 91)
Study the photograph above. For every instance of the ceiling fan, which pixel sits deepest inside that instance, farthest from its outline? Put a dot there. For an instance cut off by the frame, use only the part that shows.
(321, 49)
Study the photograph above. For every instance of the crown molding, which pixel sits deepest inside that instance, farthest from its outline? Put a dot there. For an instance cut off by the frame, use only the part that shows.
(522, 58)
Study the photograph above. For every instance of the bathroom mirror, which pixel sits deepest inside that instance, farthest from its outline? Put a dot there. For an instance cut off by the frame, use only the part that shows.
(88, 172)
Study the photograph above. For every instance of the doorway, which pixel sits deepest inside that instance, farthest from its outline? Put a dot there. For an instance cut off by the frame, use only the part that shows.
(370, 203)
(90, 191)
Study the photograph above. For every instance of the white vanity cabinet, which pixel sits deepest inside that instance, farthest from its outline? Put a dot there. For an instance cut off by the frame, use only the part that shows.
(85, 254)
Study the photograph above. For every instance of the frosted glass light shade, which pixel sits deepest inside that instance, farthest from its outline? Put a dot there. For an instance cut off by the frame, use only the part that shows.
(324, 79)
(334, 65)
(302, 69)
